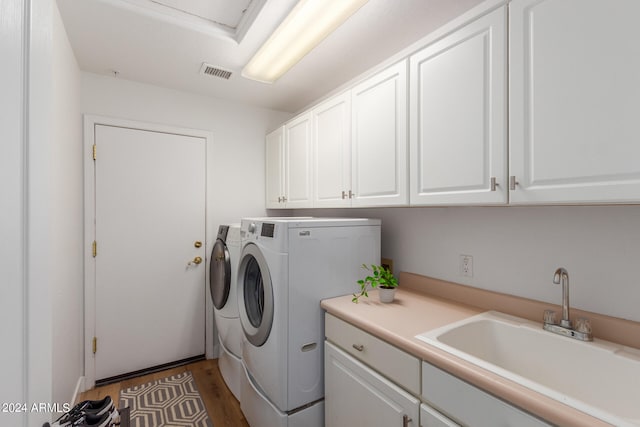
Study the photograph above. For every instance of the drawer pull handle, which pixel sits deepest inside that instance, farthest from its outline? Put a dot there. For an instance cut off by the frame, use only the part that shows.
(358, 347)
(405, 421)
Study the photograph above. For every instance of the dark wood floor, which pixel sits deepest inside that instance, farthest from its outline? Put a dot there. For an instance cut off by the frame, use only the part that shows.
(224, 409)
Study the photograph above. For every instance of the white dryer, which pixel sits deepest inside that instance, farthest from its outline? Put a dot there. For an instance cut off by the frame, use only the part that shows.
(223, 269)
(286, 268)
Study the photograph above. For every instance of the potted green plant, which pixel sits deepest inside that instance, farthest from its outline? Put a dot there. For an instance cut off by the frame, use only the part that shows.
(380, 277)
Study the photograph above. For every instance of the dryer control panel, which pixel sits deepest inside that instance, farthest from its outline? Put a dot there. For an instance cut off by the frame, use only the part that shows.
(263, 229)
(267, 229)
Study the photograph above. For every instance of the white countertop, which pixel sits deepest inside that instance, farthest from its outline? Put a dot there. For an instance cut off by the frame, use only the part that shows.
(413, 313)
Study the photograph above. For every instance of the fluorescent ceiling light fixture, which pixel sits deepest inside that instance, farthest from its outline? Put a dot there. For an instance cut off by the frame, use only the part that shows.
(304, 28)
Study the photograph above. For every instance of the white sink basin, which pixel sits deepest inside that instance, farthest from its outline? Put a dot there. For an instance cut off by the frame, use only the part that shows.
(599, 378)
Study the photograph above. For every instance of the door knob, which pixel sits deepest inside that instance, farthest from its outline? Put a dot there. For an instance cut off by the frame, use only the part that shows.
(197, 244)
(196, 260)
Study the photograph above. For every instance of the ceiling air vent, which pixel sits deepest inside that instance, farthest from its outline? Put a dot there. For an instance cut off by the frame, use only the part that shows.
(210, 70)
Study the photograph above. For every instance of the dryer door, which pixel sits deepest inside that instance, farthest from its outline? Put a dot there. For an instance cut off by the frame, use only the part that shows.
(255, 295)
(219, 274)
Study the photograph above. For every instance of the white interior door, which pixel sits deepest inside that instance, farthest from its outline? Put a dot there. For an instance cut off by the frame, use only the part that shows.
(149, 214)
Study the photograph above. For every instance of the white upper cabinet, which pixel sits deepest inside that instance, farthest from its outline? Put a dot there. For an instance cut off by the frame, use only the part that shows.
(332, 152)
(274, 168)
(298, 172)
(542, 111)
(288, 165)
(458, 120)
(379, 139)
(574, 101)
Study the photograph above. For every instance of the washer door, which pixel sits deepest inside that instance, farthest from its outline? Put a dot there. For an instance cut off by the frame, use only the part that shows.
(255, 295)
(219, 274)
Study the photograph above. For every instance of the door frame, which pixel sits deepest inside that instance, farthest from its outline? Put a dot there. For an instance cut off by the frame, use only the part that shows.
(90, 122)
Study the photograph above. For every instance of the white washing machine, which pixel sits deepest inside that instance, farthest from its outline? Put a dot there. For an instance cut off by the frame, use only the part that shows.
(286, 268)
(223, 269)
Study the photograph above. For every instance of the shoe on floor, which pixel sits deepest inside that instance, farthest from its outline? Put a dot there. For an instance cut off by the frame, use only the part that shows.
(89, 420)
(91, 412)
(105, 420)
(94, 407)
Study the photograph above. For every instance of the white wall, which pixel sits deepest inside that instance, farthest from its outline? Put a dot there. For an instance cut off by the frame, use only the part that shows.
(25, 181)
(66, 219)
(237, 155)
(25, 303)
(12, 212)
(516, 249)
(40, 247)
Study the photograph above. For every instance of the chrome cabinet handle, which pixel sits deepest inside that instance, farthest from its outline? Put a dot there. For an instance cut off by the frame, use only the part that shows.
(348, 195)
(405, 420)
(494, 184)
(512, 183)
(358, 347)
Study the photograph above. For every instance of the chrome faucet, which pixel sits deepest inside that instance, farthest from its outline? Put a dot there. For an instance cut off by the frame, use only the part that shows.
(583, 329)
(562, 275)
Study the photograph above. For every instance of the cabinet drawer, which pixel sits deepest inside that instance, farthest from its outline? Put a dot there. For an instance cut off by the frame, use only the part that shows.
(395, 364)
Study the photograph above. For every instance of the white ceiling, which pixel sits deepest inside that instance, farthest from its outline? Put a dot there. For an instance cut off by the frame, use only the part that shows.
(154, 42)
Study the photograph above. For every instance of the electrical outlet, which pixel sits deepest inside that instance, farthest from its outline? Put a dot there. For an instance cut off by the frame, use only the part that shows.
(466, 265)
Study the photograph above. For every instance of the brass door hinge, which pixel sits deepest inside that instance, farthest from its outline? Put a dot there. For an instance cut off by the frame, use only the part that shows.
(94, 151)
(95, 345)
(94, 248)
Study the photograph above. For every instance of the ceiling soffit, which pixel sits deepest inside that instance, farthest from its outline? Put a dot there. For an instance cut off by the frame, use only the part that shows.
(226, 19)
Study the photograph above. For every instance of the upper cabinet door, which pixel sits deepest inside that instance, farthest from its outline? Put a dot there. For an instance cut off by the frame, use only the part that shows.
(574, 101)
(379, 139)
(458, 121)
(332, 152)
(274, 168)
(297, 163)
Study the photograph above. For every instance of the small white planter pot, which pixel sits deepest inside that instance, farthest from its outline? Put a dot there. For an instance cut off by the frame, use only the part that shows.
(387, 295)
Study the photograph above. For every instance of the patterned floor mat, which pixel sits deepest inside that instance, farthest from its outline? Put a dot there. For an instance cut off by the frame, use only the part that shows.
(169, 402)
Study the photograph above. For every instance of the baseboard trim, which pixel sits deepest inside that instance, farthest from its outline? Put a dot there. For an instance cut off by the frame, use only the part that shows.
(80, 388)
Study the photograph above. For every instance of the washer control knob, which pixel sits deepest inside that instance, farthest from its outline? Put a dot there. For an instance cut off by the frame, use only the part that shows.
(252, 227)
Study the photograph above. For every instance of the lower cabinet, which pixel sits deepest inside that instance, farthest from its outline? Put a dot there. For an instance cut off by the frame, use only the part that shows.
(369, 382)
(356, 395)
(469, 405)
(429, 417)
